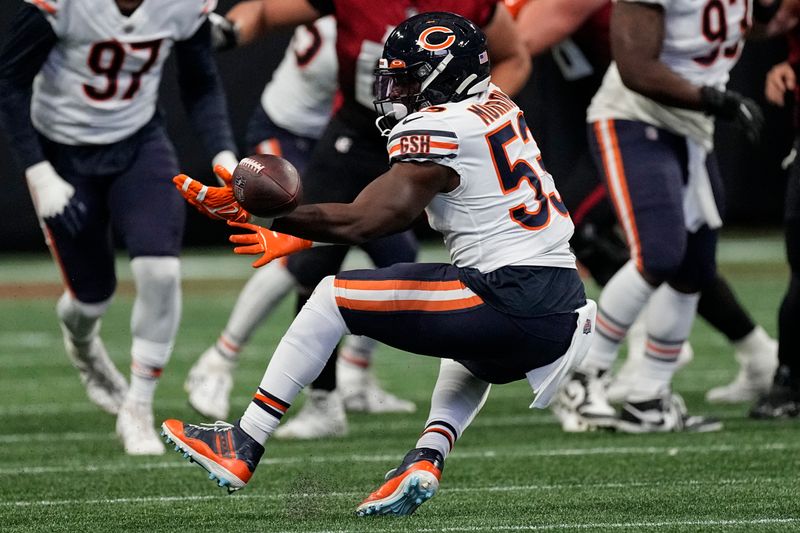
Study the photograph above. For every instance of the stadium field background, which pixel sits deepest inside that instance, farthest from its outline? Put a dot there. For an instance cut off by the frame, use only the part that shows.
(62, 468)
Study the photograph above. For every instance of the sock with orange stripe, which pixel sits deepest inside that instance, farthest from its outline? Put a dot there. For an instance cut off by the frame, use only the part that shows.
(357, 350)
(299, 358)
(261, 294)
(144, 379)
(457, 398)
(668, 323)
(263, 415)
(621, 301)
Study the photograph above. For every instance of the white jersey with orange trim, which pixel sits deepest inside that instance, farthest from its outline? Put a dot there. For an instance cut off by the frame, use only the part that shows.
(702, 43)
(299, 98)
(100, 82)
(506, 211)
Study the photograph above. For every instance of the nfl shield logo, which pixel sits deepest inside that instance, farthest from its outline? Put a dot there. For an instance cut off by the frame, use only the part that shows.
(587, 327)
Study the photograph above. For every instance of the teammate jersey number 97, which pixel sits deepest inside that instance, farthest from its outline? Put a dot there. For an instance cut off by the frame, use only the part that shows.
(105, 75)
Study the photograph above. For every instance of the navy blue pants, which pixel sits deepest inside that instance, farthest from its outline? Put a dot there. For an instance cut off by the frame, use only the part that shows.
(645, 169)
(426, 309)
(126, 186)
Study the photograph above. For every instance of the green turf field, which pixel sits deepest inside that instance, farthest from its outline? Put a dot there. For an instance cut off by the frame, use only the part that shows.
(62, 469)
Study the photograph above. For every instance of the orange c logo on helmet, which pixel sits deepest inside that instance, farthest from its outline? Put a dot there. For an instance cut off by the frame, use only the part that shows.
(427, 45)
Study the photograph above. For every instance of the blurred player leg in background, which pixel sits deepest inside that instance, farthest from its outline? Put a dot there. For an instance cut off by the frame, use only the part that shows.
(661, 247)
(127, 185)
(783, 398)
(150, 219)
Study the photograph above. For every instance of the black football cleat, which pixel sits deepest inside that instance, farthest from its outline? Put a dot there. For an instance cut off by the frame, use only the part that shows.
(663, 414)
(780, 402)
(225, 451)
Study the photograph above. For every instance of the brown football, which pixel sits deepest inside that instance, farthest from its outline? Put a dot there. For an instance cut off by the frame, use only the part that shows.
(267, 185)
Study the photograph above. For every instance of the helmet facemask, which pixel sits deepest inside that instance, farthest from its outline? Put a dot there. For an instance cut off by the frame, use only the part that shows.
(399, 91)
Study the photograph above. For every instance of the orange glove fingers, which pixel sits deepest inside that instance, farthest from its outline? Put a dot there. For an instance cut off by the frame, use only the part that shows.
(253, 249)
(245, 238)
(223, 174)
(243, 225)
(258, 263)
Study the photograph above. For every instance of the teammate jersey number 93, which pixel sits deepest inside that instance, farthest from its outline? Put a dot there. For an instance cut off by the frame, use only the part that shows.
(100, 82)
(703, 39)
(506, 210)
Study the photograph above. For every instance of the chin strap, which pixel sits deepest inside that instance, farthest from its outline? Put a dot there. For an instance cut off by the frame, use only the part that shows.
(383, 124)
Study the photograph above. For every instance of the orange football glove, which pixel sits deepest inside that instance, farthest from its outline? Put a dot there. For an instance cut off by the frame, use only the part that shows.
(270, 244)
(214, 202)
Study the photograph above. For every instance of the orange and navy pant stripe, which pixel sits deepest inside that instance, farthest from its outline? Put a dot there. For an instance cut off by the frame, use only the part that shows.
(443, 428)
(645, 170)
(270, 403)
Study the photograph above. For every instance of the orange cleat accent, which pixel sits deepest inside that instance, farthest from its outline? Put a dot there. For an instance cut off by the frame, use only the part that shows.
(227, 453)
(407, 487)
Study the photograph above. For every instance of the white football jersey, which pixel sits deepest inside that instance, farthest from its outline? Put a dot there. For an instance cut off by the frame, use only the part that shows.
(100, 82)
(506, 210)
(299, 98)
(702, 43)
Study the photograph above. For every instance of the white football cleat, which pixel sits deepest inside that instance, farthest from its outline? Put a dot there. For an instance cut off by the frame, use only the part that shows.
(105, 386)
(362, 393)
(757, 355)
(581, 403)
(209, 384)
(322, 416)
(136, 430)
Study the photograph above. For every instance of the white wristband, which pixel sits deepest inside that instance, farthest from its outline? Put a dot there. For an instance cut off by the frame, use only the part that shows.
(226, 159)
(41, 174)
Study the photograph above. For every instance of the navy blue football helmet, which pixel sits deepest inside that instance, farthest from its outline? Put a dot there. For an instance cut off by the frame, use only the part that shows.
(429, 59)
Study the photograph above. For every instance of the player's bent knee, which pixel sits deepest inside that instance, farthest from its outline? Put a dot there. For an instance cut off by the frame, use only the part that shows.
(664, 265)
(323, 299)
(70, 306)
(157, 273)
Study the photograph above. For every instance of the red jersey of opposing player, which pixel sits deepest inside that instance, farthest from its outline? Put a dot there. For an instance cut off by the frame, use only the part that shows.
(362, 28)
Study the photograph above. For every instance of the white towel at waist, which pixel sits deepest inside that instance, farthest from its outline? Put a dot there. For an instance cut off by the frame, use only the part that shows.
(699, 206)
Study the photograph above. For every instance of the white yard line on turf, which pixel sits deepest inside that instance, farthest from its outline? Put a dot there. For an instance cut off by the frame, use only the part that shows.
(388, 458)
(220, 497)
(579, 526)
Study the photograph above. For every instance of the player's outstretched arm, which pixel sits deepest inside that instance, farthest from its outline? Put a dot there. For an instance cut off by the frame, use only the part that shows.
(563, 18)
(203, 95)
(388, 205)
(511, 63)
(254, 18)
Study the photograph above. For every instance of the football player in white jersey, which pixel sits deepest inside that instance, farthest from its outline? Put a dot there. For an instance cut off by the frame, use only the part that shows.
(510, 306)
(651, 130)
(80, 86)
(294, 110)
